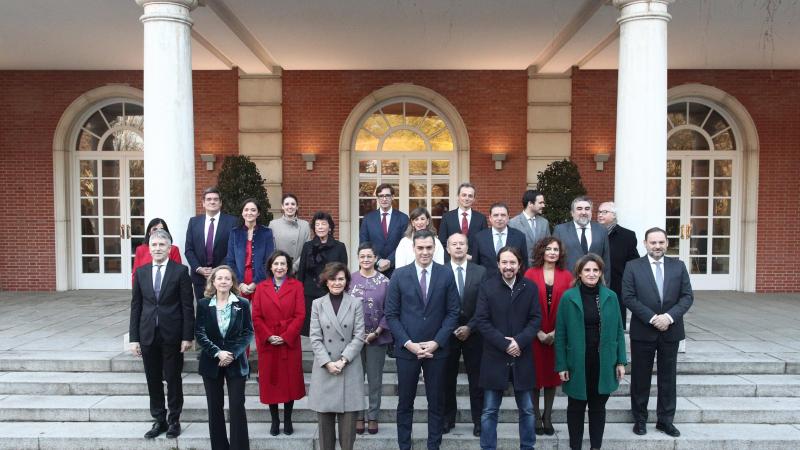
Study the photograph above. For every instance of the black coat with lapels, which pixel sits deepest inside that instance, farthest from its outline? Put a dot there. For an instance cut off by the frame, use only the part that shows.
(236, 339)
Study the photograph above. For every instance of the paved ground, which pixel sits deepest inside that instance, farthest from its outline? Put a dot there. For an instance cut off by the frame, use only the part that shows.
(96, 321)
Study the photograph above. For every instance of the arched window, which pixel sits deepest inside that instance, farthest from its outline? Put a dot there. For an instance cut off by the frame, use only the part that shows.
(409, 144)
(114, 127)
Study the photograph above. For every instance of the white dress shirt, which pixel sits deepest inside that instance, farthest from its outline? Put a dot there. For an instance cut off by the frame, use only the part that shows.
(503, 238)
(461, 212)
(388, 217)
(208, 223)
(588, 233)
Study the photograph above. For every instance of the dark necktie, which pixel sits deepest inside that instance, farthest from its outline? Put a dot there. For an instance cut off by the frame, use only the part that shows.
(157, 282)
(210, 245)
(584, 242)
(461, 282)
(464, 224)
(384, 226)
(423, 286)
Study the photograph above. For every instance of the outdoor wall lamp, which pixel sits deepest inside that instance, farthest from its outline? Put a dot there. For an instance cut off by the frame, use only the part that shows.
(498, 159)
(209, 159)
(600, 159)
(309, 158)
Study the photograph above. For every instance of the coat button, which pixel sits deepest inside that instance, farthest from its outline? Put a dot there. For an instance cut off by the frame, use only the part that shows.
(345, 326)
(328, 326)
(329, 340)
(342, 340)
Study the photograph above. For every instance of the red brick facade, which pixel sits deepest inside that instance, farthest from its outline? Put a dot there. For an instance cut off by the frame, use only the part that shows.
(32, 104)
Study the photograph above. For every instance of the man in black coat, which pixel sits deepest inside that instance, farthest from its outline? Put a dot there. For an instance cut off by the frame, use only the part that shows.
(657, 291)
(622, 244)
(161, 330)
(508, 317)
(465, 338)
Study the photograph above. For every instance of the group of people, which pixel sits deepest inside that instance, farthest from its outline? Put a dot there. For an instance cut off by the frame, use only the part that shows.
(523, 307)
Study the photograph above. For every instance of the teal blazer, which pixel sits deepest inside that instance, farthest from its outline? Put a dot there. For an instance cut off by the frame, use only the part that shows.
(570, 342)
(211, 341)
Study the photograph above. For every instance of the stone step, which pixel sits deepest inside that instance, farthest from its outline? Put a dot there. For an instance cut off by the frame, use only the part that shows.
(128, 436)
(129, 383)
(730, 363)
(90, 408)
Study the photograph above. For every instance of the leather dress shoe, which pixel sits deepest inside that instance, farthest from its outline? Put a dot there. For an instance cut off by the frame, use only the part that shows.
(158, 428)
(174, 430)
(640, 428)
(668, 428)
(476, 430)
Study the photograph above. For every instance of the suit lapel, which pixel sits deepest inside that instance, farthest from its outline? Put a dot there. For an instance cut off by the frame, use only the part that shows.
(651, 277)
(234, 316)
(148, 281)
(327, 308)
(212, 318)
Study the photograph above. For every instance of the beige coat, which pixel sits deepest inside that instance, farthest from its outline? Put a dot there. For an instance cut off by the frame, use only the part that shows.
(332, 336)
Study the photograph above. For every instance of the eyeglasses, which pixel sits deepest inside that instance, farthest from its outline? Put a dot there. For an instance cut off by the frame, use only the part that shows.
(384, 195)
(603, 211)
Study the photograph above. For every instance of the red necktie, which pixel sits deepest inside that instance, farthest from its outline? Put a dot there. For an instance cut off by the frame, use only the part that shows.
(384, 227)
(464, 224)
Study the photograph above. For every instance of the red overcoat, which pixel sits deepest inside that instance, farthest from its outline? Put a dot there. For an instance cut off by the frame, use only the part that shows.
(543, 355)
(280, 368)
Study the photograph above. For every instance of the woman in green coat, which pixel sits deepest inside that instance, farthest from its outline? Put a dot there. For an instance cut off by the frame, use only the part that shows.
(590, 349)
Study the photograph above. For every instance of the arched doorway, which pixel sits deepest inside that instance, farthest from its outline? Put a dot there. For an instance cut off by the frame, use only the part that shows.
(706, 177)
(410, 137)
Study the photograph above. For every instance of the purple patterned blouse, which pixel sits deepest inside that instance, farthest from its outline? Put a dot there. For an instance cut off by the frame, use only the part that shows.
(372, 292)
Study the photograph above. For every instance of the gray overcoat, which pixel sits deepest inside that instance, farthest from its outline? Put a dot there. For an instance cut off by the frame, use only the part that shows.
(333, 335)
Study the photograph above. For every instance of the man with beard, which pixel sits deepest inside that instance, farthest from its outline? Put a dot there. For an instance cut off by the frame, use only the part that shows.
(531, 221)
(582, 236)
(657, 291)
(508, 317)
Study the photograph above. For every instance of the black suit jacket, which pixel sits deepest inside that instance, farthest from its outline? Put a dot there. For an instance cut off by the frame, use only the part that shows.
(640, 295)
(622, 243)
(451, 224)
(195, 249)
(174, 308)
(236, 339)
(410, 318)
(484, 249)
(474, 276)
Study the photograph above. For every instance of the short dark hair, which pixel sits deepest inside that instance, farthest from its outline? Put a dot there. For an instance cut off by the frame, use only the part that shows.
(289, 195)
(498, 205)
(586, 259)
(513, 250)
(211, 190)
(466, 184)
(323, 215)
(275, 255)
(423, 234)
(654, 230)
(538, 252)
(383, 186)
(151, 224)
(530, 197)
(331, 270)
(366, 245)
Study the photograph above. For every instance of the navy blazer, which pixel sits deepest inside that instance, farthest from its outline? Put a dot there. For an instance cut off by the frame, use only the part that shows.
(486, 256)
(451, 224)
(263, 246)
(195, 248)
(174, 309)
(371, 231)
(412, 319)
(236, 339)
(640, 295)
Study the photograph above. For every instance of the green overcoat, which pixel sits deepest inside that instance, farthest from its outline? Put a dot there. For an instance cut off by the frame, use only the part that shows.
(570, 342)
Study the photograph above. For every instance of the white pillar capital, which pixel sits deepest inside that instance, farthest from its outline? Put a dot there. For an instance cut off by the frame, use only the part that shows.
(167, 10)
(643, 10)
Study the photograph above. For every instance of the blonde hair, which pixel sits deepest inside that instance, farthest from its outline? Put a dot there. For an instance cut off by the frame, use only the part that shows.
(211, 291)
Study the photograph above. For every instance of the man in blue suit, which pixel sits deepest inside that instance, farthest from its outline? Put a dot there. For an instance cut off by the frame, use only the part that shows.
(489, 241)
(463, 219)
(422, 309)
(384, 228)
(207, 239)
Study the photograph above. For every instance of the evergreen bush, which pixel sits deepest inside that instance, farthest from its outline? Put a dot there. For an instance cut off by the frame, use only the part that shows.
(239, 179)
(560, 182)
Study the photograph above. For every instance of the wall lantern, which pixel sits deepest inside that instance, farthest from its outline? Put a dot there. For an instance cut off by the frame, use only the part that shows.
(498, 159)
(309, 158)
(600, 159)
(209, 159)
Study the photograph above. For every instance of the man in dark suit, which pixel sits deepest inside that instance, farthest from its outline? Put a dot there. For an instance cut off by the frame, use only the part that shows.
(422, 309)
(207, 239)
(465, 338)
(488, 242)
(384, 228)
(622, 243)
(657, 291)
(161, 330)
(531, 221)
(463, 219)
(581, 236)
(508, 317)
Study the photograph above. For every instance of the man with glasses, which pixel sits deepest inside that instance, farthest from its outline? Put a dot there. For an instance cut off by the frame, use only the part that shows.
(384, 228)
(622, 243)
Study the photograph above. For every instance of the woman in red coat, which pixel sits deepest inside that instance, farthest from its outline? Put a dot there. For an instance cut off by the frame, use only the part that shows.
(549, 274)
(279, 309)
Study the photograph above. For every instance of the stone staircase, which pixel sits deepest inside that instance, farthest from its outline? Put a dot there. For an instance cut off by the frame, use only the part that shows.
(93, 400)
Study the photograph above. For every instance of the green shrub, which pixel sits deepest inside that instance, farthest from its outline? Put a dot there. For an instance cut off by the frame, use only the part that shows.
(239, 179)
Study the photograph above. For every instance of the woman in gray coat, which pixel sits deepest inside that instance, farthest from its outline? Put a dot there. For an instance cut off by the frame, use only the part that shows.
(337, 378)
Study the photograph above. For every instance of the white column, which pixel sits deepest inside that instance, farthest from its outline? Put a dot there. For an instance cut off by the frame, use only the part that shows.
(641, 157)
(169, 116)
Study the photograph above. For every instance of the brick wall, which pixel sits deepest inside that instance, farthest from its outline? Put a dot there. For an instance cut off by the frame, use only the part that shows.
(316, 104)
(32, 104)
(771, 97)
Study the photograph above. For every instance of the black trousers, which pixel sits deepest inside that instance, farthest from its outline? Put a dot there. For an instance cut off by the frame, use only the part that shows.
(407, 379)
(596, 402)
(215, 399)
(163, 361)
(472, 349)
(642, 355)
